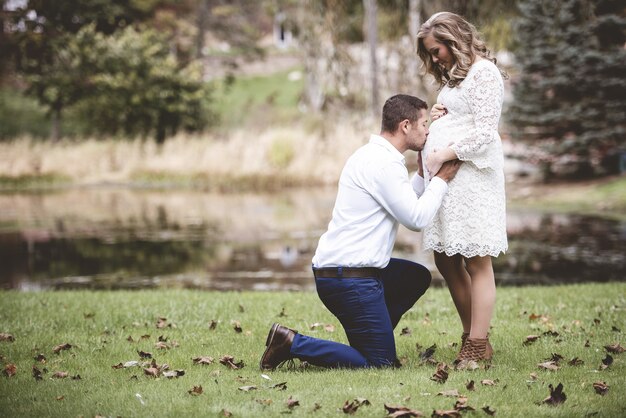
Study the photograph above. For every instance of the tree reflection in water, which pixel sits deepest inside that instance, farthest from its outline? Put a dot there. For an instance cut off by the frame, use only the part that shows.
(112, 238)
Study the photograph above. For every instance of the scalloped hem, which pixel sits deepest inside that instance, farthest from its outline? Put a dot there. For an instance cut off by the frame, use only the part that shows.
(493, 252)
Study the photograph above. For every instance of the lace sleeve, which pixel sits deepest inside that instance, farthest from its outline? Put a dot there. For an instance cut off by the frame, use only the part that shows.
(484, 94)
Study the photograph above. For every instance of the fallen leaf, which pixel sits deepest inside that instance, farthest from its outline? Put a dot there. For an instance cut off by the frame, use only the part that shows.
(130, 339)
(405, 331)
(265, 402)
(441, 374)
(10, 370)
(60, 375)
(151, 371)
(614, 348)
(203, 360)
(596, 321)
(237, 326)
(61, 347)
(292, 403)
(316, 406)
(212, 324)
(7, 337)
(60, 398)
(530, 339)
(575, 362)
(601, 388)
(488, 382)
(160, 345)
(487, 409)
(145, 337)
(534, 376)
(556, 358)
(89, 315)
(453, 393)
(40, 358)
(37, 373)
(282, 313)
(247, 388)
(351, 407)
(132, 363)
(450, 413)
(548, 365)
(195, 391)
(144, 354)
(226, 413)
(161, 323)
(556, 395)
(470, 385)
(402, 411)
(606, 362)
(241, 308)
(427, 354)
(279, 386)
(230, 362)
(76, 377)
(461, 405)
(615, 329)
(587, 344)
(329, 328)
(174, 373)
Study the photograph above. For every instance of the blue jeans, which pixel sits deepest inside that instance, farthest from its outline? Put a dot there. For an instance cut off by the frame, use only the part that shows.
(369, 309)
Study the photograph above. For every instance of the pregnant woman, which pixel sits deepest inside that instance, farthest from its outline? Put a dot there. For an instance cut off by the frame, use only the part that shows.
(470, 226)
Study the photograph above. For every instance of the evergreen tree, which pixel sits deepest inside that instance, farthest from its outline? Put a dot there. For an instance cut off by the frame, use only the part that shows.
(570, 95)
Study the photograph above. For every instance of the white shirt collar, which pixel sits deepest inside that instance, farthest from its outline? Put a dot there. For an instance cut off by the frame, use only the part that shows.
(379, 140)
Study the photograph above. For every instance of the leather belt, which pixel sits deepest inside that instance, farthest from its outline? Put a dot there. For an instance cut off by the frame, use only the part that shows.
(346, 272)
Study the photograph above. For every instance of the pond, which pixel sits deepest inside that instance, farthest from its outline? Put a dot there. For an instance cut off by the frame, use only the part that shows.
(122, 238)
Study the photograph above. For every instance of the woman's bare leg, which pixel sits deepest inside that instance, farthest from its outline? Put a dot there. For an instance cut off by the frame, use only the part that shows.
(483, 295)
(453, 270)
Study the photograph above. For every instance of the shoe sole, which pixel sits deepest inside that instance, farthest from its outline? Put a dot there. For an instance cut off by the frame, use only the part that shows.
(268, 341)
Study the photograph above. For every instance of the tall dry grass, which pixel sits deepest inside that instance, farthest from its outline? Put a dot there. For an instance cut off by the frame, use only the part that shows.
(302, 154)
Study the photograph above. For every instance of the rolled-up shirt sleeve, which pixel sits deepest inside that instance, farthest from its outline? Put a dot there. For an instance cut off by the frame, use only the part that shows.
(397, 195)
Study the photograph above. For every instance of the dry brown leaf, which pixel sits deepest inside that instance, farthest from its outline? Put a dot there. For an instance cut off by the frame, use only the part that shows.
(530, 339)
(151, 371)
(450, 413)
(556, 395)
(37, 373)
(614, 348)
(161, 323)
(60, 375)
(441, 374)
(145, 337)
(40, 358)
(351, 407)
(265, 402)
(61, 347)
(195, 391)
(487, 409)
(213, 324)
(402, 411)
(534, 376)
(461, 405)
(174, 373)
(160, 345)
(144, 354)
(548, 365)
(279, 386)
(470, 386)
(488, 382)
(575, 362)
(316, 406)
(247, 388)
(226, 413)
(601, 388)
(230, 362)
(10, 370)
(405, 331)
(203, 360)
(6, 337)
(60, 398)
(237, 326)
(292, 403)
(329, 328)
(606, 362)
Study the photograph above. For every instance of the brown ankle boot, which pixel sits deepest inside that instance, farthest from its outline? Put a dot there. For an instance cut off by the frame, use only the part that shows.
(476, 349)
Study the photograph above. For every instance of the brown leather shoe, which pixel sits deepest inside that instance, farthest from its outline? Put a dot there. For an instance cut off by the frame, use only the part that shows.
(278, 343)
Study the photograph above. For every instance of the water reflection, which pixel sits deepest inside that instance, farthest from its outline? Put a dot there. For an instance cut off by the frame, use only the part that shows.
(123, 238)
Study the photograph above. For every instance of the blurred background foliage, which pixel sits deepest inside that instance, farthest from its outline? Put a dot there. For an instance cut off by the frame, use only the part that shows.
(152, 68)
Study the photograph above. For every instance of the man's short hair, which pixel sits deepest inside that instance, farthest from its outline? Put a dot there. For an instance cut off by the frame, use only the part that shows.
(398, 108)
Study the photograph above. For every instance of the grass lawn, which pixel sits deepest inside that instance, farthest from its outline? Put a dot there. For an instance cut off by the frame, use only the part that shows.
(105, 329)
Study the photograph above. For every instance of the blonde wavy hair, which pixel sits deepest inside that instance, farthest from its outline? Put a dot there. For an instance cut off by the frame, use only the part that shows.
(463, 41)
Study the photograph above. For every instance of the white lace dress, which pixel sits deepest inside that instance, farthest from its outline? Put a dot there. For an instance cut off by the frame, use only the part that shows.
(472, 217)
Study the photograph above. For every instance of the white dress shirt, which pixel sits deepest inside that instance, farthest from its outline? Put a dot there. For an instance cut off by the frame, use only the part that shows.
(375, 194)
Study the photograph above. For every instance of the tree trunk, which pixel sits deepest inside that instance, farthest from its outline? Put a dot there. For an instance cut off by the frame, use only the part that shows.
(415, 19)
(55, 128)
(203, 9)
(372, 40)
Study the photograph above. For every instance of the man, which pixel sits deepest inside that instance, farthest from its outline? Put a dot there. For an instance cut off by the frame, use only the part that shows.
(356, 278)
